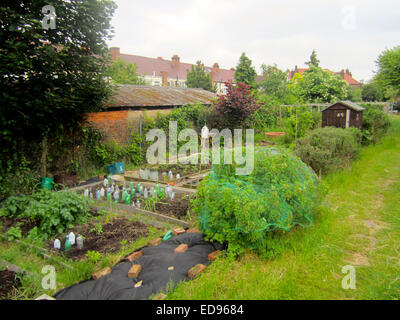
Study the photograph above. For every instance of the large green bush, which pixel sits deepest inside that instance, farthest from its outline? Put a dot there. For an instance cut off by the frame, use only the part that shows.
(280, 193)
(375, 123)
(328, 149)
(53, 212)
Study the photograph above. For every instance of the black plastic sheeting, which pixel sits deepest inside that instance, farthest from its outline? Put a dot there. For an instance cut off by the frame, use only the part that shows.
(155, 275)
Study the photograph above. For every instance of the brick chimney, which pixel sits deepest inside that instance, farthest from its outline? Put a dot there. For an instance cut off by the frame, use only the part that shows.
(215, 67)
(164, 78)
(115, 53)
(212, 78)
(175, 61)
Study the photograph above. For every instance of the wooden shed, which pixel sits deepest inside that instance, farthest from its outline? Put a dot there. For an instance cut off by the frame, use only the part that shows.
(343, 114)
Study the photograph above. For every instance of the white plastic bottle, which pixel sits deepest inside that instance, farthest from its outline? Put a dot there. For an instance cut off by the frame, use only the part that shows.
(71, 238)
(116, 194)
(79, 242)
(86, 192)
(105, 182)
(170, 175)
(57, 244)
(145, 193)
(102, 193)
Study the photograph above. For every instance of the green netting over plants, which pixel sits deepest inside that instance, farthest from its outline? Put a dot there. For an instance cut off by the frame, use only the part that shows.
(280, 193)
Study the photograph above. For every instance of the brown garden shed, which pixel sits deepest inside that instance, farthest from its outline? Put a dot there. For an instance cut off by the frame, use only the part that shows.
(343, 114)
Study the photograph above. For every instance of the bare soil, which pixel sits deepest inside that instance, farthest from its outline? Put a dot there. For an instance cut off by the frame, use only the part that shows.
(103, 237)
(176, 208)
(8, 284)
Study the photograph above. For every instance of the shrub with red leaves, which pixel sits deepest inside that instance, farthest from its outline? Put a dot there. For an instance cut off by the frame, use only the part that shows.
(232, 109)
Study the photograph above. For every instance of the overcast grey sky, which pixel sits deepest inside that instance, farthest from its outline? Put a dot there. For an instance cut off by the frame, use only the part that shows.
(346, 34)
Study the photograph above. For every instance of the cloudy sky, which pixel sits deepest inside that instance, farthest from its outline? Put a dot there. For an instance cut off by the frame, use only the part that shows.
(346, 33)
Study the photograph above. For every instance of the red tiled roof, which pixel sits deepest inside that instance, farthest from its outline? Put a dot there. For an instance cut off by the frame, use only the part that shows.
(152, 66)
(344, 74)
(350, 80)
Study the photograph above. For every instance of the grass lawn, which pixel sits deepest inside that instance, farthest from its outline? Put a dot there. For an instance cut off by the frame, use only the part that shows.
(358, 225)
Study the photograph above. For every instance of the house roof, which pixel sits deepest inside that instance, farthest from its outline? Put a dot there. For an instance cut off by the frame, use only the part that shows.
(348, 104)
(154, 67)
(151, 96)
(346, 75)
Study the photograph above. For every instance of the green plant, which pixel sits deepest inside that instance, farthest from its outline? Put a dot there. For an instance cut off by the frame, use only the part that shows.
(14, 233)
(98, 228)
(297, 125)
(53, 211)
(35, 105)
(19, 175)
(93, 256)
(329, 149)
(278, 194)
(150, 204)
(375, 123)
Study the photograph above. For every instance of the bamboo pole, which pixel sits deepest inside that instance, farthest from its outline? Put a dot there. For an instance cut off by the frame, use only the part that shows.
(44, 157)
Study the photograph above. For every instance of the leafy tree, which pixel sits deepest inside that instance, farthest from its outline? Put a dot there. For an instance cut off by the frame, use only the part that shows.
(318, 85)
(373, 91)
(231, 110)
(50, 77)
(389, 69)
(125, 73)
(353, 94)
(244, 72)
(313, 60)
(197, 78)
(274, 82)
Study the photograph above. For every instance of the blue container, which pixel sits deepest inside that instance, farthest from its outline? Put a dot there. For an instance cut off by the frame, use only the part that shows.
(116, 168)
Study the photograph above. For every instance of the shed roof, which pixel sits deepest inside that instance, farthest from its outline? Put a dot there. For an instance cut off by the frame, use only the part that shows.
(151, 96)
(348, 104)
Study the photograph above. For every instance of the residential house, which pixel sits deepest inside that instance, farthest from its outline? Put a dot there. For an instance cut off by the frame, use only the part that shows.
(172, 73)
(346, 75)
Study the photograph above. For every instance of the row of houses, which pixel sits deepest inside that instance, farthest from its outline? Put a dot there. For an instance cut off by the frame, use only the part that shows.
(166, 90)
(172, 73)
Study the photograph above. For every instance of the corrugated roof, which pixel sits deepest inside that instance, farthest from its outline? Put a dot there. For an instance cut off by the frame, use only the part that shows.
(349, 104)
(150, 96)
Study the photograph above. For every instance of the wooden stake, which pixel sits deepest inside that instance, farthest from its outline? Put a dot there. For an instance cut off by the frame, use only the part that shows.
(44, 157)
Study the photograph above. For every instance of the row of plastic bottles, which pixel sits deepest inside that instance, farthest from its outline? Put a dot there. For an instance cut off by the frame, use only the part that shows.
(153, 175)
(111, 191)
(69, 242)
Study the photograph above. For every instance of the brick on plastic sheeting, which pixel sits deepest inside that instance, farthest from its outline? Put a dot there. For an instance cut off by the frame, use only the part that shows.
(160, 296)
(155, 242)
(214, 255)
(193, 230)
(134, 256)
(181, 248)
(134, 271)
(196, 270)
(178, 231)
(101, 273)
